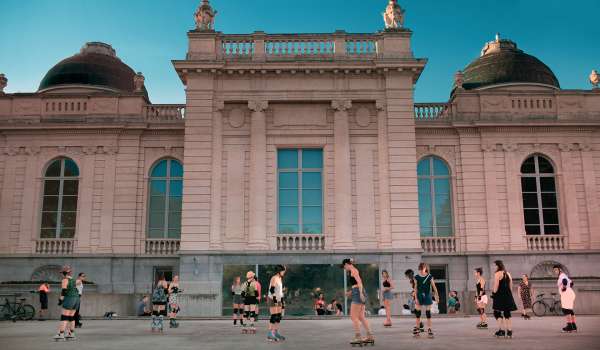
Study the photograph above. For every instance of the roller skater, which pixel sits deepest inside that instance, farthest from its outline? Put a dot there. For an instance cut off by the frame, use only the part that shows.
(424, 285)
(250, 295)
(276, 304)
(410, 275)
(238, 302)
(504, 303)
(387, 297)
(525, 291)
(159, 302)
(69, 300)
(173, 303)
(567, 298)
(357, 307)
(481, 300)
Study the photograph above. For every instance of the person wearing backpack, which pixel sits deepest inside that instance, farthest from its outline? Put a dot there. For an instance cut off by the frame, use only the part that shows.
(159, 302)
(251, 295)
(424, 285)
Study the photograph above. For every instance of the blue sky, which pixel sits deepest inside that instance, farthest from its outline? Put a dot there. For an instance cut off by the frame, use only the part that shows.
(147, 34)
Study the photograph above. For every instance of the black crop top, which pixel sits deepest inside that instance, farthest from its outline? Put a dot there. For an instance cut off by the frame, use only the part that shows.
(386, 284)
(352, 281)
(480, 290)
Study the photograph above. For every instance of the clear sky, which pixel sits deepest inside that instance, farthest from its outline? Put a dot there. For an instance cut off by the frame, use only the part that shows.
(147, 34)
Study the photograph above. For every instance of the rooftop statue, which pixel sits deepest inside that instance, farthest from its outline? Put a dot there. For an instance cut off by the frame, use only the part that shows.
(393, 16)
(3, 83)
(595, 79)
(205, 16)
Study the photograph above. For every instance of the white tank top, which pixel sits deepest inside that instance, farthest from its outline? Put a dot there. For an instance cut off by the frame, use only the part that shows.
(278, 289)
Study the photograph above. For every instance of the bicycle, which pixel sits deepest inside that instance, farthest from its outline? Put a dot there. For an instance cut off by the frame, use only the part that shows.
(547, 305)
(17, 310)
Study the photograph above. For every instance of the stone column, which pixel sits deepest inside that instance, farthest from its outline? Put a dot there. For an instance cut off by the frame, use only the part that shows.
(217, 158)
(258, 181)
(591, 195)
(343, 176)
(491, 198)
(385, 236)
(569, 207)
(514, 200)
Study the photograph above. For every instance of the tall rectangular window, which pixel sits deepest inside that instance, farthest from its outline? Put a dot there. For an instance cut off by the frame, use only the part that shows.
(300, 186)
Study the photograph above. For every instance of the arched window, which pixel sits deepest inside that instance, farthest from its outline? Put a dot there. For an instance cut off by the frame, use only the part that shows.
(166, 190)
(59, 205)
(435, 203)
(540, 206)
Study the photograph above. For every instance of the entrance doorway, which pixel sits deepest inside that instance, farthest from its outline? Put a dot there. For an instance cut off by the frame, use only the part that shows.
(439, 273)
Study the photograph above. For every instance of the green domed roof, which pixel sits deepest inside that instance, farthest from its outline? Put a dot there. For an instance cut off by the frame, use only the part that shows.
(96, 65)
(501, 62)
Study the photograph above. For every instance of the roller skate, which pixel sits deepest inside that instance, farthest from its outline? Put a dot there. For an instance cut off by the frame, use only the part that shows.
(500, 334)
(271, 337)
(482, 325)
(369, 340)
(509, 334)
(160, 323)
(244, 329)
(574, 327)
(570, 328)
(422, 327)
(357, 341)
(59, 337)
(70, 336)
(252, 329)
(430, 334)
(279, 336)
(416, 332)
(387, 325)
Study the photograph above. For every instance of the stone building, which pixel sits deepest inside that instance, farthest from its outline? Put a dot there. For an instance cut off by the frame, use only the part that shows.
(297, 149)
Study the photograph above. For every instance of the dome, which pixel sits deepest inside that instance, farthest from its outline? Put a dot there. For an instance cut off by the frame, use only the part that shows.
(96, 65)
(501, 62)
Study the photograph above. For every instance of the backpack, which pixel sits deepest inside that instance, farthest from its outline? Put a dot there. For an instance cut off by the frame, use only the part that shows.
(158, 295)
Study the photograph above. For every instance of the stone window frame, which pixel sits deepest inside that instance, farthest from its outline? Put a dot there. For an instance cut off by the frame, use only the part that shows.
(537, 175)
(299, 171)
(167, 179)
(61, 178)
(430, 178)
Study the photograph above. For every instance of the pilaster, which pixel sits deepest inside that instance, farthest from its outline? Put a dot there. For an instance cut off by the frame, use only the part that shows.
(569, 196)
(343, 180)
(217, 158)
(258, 182)
(385, 234)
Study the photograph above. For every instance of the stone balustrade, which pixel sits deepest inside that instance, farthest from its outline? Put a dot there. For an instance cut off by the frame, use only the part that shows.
(305, 242)
(54, 246)
(432, 111)
(161, 246)
(439, 245)
(546, 243)
(164, 112)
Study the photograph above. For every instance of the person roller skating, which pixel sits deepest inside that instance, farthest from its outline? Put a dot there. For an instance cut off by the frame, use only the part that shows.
(387, 297)
(69, 300)
(410, 275)
(238, 302)
(424, 285)
(276, 304)
(567, 298)
(481, 300)
(504, 303)
(159, 302)
(174, 290)
(250, 295)
(357, 306)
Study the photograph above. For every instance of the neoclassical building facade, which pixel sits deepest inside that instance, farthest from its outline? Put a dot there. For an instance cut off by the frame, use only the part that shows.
(297, 149)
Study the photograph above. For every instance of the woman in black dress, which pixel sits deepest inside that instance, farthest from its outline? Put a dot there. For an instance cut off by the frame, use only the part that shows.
(504, 303)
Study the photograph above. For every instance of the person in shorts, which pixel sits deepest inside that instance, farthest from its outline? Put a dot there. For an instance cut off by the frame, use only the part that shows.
(250, 293)
(481, 299)
(424, 286)
(69, 300)
(43, 291)
(567, 297)
(276, 304)
(238, 301)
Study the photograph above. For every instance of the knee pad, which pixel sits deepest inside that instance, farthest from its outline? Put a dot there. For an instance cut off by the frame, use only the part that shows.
(64, 317)
(163, 312)
(418, 313)
(273, 319)
(235, 311)
(497, 314)
(428, 313)
(507, 314)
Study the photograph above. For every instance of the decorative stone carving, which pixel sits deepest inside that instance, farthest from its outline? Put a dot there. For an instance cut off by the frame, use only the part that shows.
(510, 147)
(594, 79)
(3, 83)
(380, 105)
(236, 118)
(49, 273)
(341, 105)
(393, 17)
(566, 147)
(258, 105)
(11, 150)
(32, 150)
(489, 147)
(459, 79)
(585, 147)
(363, 117)
(205, 17)
(138, 82)
(545, 269)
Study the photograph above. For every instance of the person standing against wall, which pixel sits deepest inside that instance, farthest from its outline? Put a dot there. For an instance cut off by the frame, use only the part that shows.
(43, 291)
(79, 285)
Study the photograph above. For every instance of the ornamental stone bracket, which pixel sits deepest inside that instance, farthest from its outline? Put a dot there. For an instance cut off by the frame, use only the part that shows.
(510, 147)
(258, 105)
(341, 105)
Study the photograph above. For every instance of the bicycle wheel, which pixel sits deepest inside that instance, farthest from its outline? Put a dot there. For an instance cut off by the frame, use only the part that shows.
(4, 312)
(558, 308)
(539, 308)
(25, 312)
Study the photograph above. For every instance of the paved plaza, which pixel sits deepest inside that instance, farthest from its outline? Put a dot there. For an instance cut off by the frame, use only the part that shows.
(457, 333)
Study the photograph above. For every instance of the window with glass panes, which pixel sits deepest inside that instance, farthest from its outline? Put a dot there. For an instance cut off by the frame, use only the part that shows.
(435, 200)
(59, 203)
(300, 181)
(165, 198)
(540, 205)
